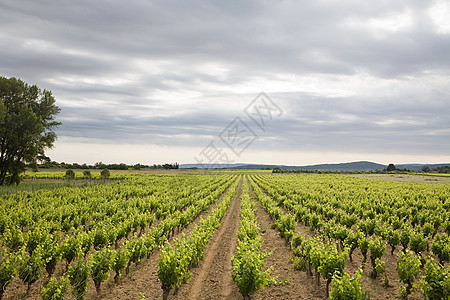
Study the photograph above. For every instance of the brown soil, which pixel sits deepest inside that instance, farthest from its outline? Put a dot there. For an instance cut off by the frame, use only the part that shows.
(405, 178)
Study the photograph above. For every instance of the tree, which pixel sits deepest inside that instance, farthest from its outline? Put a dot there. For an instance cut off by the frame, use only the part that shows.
(105, 173)
(70, 175)
(390, 168)
(27, 121)
(426, 169)
(276, 170)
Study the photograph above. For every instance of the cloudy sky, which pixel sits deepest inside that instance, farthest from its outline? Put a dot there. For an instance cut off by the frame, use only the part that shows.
(165, 81)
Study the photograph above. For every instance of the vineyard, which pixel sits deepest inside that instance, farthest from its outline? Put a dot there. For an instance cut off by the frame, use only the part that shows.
(226, 235)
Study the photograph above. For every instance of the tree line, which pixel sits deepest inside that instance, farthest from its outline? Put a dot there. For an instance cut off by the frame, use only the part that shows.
(390, 168)
(100, 166)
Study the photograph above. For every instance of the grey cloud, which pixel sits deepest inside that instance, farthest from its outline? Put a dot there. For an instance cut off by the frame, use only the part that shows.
(108, 62)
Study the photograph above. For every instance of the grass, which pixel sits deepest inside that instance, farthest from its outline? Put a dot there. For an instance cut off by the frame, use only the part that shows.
(437, 174)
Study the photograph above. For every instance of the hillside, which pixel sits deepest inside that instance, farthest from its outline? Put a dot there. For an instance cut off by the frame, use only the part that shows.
(349, 166)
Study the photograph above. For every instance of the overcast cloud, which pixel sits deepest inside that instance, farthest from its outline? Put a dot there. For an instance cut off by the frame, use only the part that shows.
(158, 80)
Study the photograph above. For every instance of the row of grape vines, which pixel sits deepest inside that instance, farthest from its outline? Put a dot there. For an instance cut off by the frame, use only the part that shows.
(346, 214)
(248, 261)
(90, 232)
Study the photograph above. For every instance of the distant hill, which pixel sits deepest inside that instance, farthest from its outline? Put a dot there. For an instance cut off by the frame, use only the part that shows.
(349, 166)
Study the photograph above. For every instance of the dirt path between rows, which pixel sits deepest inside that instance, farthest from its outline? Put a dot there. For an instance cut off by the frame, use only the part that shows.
(212, 278)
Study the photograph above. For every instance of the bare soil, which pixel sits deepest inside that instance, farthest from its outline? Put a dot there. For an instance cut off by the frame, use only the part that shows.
(405, 178)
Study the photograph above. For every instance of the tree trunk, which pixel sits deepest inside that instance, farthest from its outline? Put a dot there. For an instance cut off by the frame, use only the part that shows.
(408, 289)
(2, 176)
(50, 270)
(166, 293)
(128, 267)
(97, 286)
(309, 269)
(328, 285)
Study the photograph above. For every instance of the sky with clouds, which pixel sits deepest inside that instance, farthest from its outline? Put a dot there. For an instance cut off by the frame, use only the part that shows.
(164, 81)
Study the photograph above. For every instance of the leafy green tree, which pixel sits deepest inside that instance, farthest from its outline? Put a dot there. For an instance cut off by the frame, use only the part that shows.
(87, 174)
(27, 121)
(70, 175)
(391, 167)
(105, 173)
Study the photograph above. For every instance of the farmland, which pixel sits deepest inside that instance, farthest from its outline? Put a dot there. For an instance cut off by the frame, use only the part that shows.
(188, 235)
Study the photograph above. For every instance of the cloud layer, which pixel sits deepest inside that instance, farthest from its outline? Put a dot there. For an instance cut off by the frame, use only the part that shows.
(350, 76)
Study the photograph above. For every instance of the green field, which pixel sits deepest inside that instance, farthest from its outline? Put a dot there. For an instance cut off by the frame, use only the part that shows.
(338, 225)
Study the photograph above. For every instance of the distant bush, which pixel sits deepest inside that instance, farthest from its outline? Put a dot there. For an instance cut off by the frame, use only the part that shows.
(105, 173)
(70, 175)
(87, 174)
